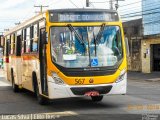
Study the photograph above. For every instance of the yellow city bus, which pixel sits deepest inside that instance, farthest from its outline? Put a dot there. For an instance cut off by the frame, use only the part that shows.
(66, 53)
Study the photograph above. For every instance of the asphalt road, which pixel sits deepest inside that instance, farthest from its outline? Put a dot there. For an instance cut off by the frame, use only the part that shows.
(142, 102)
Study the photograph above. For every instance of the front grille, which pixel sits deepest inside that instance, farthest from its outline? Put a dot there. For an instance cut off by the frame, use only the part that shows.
(83, 90)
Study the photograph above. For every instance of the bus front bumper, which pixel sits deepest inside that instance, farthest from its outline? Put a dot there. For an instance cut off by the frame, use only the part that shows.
(65, 91)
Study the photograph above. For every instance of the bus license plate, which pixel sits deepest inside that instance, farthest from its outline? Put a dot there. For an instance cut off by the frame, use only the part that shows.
(92, 93)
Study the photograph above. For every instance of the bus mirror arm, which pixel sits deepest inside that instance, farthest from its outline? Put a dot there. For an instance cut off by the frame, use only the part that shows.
(45, 38)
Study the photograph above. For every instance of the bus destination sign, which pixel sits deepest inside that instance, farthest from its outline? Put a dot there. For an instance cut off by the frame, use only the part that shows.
(83, 17)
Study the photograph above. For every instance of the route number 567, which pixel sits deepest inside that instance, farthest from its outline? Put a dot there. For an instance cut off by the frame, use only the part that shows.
(79, 81)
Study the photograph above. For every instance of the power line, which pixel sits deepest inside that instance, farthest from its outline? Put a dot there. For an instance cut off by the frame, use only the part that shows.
(130, 3)
(143, 6)
(54, 2)
(101, 2)
(92, 5)
(41, 7)
(142, 11)
(153, 10)
(73, 3)
(29, 13)
(141, 14)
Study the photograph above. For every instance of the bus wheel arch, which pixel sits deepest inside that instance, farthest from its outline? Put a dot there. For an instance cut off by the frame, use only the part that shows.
(34, 81)
(41, 100)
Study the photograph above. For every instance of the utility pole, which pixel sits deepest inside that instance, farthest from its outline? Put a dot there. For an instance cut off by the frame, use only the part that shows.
(116, 5)
(111, 4)
(41, 7)
(87, 3)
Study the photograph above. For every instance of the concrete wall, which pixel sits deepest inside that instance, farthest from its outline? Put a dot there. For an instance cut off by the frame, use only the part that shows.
(146, 53)
(133, 32)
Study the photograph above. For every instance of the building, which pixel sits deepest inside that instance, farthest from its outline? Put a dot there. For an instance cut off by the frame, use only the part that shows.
(150, 45)
(133, 32)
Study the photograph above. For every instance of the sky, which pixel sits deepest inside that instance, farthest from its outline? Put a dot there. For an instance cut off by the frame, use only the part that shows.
(14, 11)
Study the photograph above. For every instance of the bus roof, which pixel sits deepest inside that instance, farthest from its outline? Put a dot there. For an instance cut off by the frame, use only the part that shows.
(26, 23)
(42, 15)
(82, 10)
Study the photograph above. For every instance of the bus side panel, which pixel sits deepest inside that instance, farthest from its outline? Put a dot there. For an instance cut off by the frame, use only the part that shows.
(6, 69)
(26, 77)
(18, 69)
(12, 67)
(30, 64)
(33, 65)
(9, 70)
(15, 65)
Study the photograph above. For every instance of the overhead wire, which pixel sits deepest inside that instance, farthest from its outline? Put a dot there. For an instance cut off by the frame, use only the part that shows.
(130, 3)
(149, 10)
(73, 3)
(53, 2)
(101, 2)
(139, 14)
(143, 6)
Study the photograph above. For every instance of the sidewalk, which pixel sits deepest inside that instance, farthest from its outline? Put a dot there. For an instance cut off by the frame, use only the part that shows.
(1, 73)
(153, 77)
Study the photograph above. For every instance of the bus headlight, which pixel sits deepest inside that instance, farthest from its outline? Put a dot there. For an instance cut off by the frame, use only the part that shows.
(57, 79)
(121, 76)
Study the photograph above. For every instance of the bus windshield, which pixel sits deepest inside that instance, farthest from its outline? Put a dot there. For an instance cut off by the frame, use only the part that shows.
(86, 46)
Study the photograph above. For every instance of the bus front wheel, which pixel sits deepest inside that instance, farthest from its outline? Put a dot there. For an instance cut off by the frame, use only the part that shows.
(41, 100)
(96, 98)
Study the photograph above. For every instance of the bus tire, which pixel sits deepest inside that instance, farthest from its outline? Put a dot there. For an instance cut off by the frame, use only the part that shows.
(41, 100)
(14, 86)
(96, 98)
(34, 81)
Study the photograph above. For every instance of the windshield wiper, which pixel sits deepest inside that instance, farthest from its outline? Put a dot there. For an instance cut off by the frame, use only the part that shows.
(99, 35)
(77, 35)
(95, 44)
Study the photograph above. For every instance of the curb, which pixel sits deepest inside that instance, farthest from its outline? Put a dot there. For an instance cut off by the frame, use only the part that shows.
(148, 80)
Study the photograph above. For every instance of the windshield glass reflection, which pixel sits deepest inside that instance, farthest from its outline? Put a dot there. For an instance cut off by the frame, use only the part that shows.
(75, 47)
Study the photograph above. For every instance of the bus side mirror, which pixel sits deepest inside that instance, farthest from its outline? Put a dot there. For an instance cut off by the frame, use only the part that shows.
(127, 47)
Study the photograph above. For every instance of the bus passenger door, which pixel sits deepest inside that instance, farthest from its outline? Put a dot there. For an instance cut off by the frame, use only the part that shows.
(18, 61)
(43, 61)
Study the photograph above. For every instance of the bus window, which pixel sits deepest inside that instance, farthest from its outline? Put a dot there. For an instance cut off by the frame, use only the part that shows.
(18, 46)
(23, 41)
(9, 44)
(1, 41)
(28, 40)
(35, 40)
(12, 44)
(31, 37)
(7, 48)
